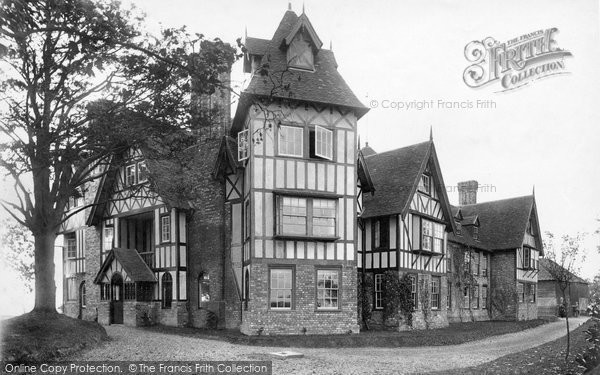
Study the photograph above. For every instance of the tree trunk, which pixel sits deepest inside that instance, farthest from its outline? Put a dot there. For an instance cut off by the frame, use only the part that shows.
(567, 303)
(45, 288)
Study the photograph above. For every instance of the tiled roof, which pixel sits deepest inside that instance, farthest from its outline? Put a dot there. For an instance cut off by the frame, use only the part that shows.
(544, 275)
(132, 263)
(502, 222)
(394, 175)
(465, 237)
(367, 150)
(325, 85)
(256, 46)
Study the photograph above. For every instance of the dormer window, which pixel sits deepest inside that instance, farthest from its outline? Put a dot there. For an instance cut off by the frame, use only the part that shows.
(458, 228)
(300, 54)
(476, 232)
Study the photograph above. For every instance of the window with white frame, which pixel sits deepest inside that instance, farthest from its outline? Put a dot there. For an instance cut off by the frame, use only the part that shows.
(300, 216)
(432, 236)
(449, 295)
(328, 287)
(107, 238)
(243, 144)
(476, 263)
(484, 296)
(435, 292)
(484, 264)
(71, 245)
(165, 228)
(142, 172)
(323, 143)
(281, 287)
(476, 297)
(379, 291)
(528, 261)
(521, 292)
(413, 290)
(532, 288)
(425, 184)
(130, 175)
(291, 141)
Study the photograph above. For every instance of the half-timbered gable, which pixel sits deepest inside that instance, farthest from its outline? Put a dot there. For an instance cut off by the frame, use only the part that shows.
(296, 145)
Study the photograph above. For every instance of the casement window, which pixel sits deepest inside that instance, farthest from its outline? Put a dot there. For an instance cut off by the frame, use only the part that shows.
(476, 233)
(71, 289)
(435, 292)
(413, 290)
(321, 143)
(466, 298)
(425, 184)
(532, 288)
(530, 227)
(130, 175)
(203, 289)
(104, 292)
(432, 236)
(300, 54)
(328, 288)
(476, 263)
(165, 228)
(129, 291)
(82, 295)
(142, 172)
(379, 291)
(281, 288)
(313, 217)
(475, 297)
(291, 141)
(243, 143)
(107, 238)
(528, 259)
(484, 264)
(167, 290)
(458, 228)
(521, 292)
(71, 245)
(381, 233)
(484, 296)
(449, 295)
(467, 261)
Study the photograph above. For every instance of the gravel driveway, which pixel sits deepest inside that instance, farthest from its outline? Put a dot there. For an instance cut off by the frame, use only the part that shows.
(129, 344)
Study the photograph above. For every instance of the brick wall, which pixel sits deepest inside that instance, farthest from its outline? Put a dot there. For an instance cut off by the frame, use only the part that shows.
(503, 284)
(303, 318)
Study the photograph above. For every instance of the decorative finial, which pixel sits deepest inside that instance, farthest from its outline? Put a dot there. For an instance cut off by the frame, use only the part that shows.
(431, 133)
(534, 190)
(330, 45)
(303, 7)
(290, 5)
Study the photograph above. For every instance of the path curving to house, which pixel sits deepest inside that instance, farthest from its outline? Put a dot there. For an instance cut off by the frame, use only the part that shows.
(134, 344)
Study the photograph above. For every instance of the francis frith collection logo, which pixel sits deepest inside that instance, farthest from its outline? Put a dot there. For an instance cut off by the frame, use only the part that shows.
(514, 63)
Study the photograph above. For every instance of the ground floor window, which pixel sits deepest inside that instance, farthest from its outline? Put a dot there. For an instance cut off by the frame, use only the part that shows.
(484, 296)
(465, 302)
(449, 295)
(82, 294)
(203, 288)
(328, 288)
(167, 290)
(71, 289)
(379, 291)
(435, 292)
(413, 290)
(532, 288)
(104, 292)
(281, 288)
(476, 296)
(129, 291)
(521, 292)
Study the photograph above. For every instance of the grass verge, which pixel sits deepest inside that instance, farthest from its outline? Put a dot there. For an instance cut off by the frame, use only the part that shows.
(546, 359)
(456, 333)
(42, 337)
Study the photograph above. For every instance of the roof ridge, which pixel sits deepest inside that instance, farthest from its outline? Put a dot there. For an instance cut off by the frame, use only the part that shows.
(495, 201)
(397, 149)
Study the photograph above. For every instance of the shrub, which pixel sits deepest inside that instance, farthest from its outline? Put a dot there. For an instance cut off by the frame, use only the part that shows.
(397, 296)
(590, 359)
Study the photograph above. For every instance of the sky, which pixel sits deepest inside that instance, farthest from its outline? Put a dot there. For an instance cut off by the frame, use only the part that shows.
(545, 135)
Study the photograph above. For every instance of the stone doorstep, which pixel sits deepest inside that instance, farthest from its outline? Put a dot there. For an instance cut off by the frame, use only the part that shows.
(287, 354)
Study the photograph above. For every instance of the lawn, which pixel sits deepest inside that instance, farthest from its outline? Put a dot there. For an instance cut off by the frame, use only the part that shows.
(40, 337)
(456, 333)
(546, 359)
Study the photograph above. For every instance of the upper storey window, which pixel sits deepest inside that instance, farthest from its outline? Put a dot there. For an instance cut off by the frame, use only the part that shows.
(320, 142)
(425, 184)
(300, 54)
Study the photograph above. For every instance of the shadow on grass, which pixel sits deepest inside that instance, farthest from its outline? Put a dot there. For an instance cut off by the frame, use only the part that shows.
(42, 337)
(456, 333)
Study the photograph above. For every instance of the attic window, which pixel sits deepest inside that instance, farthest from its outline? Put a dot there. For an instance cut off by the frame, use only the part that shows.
(458, 228)
(300, 54)
(476, 232)
(425, 184)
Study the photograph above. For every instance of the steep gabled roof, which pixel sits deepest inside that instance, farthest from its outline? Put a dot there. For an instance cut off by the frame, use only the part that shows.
(503, 222)
(544, 275)
(368, 150)
(256, 46)
(364, 175)
(396, 175)
(227, 158)
(465, 237)
(304, 23)
(324, 86)
(132, 263)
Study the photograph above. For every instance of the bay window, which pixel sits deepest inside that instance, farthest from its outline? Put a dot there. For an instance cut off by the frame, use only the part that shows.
(306, 216)
(432, 236)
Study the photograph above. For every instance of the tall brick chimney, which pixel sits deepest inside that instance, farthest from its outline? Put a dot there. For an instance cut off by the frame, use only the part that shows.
(467, 192)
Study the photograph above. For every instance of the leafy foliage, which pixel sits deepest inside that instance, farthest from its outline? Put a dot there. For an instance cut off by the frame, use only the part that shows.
(590, 359)
(16, 250)
(365, 287)
(397, 296)
(462, 277)
(425, 300)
